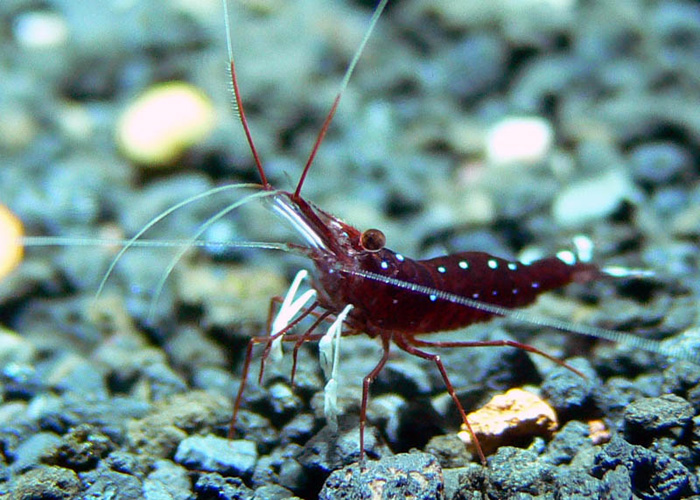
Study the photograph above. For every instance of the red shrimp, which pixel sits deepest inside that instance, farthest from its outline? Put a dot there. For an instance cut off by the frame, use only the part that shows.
(396, 298)
(393, 297)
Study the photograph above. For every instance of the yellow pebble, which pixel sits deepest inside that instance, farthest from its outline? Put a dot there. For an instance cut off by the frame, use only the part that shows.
(11, 233)
(164, 122)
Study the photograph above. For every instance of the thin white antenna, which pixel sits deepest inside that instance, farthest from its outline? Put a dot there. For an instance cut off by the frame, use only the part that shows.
(162, 216)
(229, 48)
(188, 243)
(61, 241)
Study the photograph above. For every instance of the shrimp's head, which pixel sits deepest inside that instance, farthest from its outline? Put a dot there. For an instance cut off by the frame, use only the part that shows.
(327, 236)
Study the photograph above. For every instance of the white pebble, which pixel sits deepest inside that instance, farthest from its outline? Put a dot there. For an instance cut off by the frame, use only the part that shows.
(592, 199)
(40, 30)
(519, 140)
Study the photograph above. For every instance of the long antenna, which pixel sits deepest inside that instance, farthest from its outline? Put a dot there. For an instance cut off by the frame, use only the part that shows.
(343, 85)
(240, 111)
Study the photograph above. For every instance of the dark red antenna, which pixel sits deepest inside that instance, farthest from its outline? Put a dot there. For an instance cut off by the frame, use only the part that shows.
(326, 123)
(343, 85)
(239, 101)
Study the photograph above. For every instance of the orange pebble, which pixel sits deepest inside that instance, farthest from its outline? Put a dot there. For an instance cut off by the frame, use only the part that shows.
(11, 250)
(508, 419)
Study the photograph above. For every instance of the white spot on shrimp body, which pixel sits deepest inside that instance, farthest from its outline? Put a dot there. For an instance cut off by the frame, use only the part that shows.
(512, 266)
(433, 297)
(535, 284)
(475, 295)
(515, 291)
(399, 257)
(493, 264)
(463, 264)
(567, 257)
(441, 269)
(384, 265)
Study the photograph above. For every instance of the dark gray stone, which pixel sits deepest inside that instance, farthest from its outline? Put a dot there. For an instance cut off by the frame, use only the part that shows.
(83, 448)
(513, 470)
(567, 442)
(407, 475)
(327, 450)
(649, 417)
(572, 482)
(568, 392)
(215, 487)
(55, 483)
(299, 429)
(652, 476)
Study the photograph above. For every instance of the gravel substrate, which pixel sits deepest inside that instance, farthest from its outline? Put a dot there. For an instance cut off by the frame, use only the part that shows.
(123, 396)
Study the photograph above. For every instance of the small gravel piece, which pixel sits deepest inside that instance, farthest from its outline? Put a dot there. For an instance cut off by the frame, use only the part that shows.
(11, 250)
(168, 481)
(327, 451)
(654, 416)
(652, 476)
(569, 393)
(159, 433)
(213, 485)
(407, 475)
(571, 439)
(113, 485)
(215, 454)
(592, 198)
(55, 483)
(83, 448)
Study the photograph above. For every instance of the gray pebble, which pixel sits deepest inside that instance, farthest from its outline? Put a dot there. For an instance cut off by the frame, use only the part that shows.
(659, 162)
(113, 485)
(33, 450)
(653, 416)
(213, 485)
(567, 442)
(215, 454)
(55, 483)
(407, 475)
(168, 481)
(568, 392)
(652, 476)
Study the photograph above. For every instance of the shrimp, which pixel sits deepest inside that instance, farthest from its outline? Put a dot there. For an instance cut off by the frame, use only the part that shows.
(370, 289)
(363, 287)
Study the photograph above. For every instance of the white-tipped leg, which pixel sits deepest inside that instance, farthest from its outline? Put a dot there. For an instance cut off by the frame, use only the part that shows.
(329, 354)
(627, 272)
(583, 252)
(291, 305)
(583, 248)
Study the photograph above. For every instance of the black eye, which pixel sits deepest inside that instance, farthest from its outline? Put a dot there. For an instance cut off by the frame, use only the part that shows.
(372, 240)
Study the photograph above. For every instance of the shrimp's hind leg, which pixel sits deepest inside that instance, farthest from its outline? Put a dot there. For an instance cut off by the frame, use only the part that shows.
(404, 343)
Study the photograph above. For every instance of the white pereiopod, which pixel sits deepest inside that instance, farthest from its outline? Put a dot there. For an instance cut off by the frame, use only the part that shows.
(329, 355)
(290, 307)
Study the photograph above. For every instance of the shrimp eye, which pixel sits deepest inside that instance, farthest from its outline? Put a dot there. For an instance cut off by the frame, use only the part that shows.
(372, 240)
